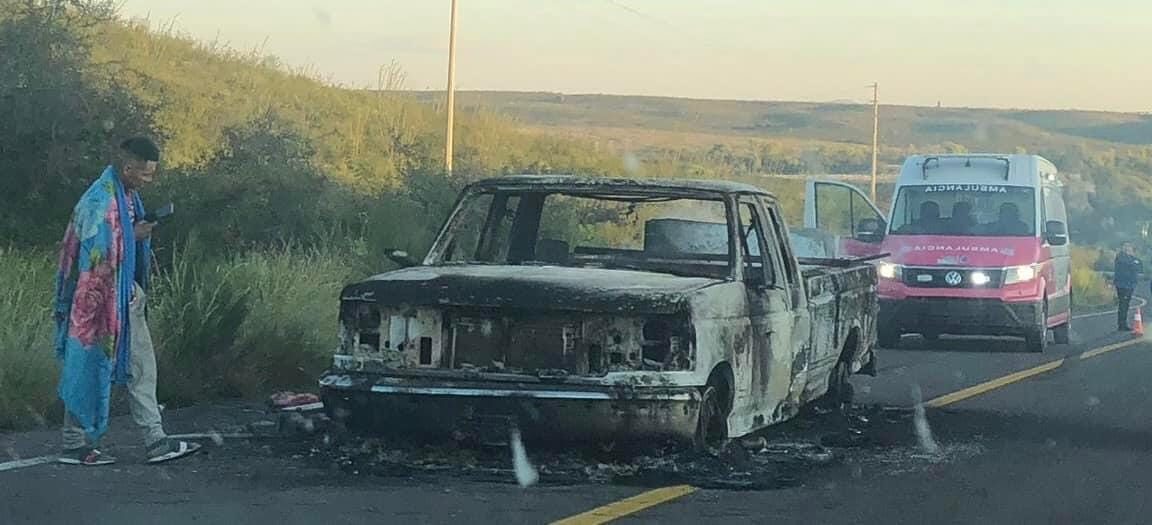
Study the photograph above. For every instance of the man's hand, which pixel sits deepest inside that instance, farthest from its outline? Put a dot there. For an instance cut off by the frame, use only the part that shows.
(143, 230)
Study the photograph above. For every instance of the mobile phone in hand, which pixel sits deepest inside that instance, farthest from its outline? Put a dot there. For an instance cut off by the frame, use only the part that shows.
(159, 214)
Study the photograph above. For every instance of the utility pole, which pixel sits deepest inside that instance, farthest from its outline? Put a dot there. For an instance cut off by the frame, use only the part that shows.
(451, 102)
(875, 132)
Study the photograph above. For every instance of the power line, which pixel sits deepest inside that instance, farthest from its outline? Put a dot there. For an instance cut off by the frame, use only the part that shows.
(639, 13)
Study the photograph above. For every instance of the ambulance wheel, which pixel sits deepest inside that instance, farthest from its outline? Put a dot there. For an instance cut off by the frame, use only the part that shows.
(1060, 334)
(1036, 339)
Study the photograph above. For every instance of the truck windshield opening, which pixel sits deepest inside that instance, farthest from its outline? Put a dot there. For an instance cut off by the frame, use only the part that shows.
(682, 236)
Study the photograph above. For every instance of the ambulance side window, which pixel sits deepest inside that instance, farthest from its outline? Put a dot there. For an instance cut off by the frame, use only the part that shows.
(1054, 206)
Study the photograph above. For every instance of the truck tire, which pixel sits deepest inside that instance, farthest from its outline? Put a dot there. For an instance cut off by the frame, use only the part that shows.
(888, 338)
(711, 422)
(840, 391)
(347, 411)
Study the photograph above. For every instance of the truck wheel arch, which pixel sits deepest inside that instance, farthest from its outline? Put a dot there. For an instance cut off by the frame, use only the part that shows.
(851, 346)
(711, 434)
(723, 379)
(839, 391)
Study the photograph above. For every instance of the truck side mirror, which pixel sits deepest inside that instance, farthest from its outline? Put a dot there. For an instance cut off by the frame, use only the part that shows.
(870, 231)
(1056, 233)
(401, 258)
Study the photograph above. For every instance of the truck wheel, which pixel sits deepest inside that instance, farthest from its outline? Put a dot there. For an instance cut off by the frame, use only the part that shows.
(840, 391)
(888, 338)
(711, 422)
(1060, 334)
(345, 412)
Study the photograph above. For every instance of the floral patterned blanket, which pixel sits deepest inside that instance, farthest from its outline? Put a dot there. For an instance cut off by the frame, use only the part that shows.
(99, 261)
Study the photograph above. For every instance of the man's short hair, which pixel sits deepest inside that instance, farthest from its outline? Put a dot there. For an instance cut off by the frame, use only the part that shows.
(141, 148)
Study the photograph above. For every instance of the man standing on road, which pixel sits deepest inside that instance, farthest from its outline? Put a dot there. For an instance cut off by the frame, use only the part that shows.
(102, 334)
(1126, 272)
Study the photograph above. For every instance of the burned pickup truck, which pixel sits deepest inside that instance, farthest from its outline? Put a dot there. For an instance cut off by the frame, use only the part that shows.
(596, 308)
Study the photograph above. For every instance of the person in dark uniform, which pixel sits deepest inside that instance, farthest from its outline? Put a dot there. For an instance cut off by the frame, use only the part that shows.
(1127, 271)
(928, 222)
(1008, 222)
(961, 222)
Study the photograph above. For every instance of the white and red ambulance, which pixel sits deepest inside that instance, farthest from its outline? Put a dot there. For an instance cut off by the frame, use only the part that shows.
(977, 244)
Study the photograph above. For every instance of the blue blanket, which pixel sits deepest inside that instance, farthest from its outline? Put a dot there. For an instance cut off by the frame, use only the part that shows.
(99, 262)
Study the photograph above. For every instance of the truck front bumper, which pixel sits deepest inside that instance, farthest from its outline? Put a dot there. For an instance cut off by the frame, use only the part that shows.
(414, 406)
(960, 316)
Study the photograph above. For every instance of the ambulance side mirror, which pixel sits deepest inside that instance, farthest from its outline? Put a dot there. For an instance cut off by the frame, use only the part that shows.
(1056, 233)
(870, 231)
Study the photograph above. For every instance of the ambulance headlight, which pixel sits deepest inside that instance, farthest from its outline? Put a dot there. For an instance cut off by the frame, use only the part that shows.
(979, 278)
(1019, 274)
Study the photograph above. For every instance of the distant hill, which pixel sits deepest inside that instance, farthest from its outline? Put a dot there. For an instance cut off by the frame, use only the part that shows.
(1106, 158)
(974, 128)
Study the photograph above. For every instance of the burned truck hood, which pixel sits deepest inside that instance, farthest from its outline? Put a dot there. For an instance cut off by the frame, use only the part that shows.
(531, 288)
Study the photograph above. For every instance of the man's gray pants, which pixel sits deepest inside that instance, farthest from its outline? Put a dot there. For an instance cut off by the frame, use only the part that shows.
(141, 388)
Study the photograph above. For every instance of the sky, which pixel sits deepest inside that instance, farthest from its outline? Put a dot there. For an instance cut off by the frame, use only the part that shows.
(1034, 54)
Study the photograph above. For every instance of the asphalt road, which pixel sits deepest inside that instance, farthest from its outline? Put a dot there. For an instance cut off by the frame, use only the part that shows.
(1067, 446)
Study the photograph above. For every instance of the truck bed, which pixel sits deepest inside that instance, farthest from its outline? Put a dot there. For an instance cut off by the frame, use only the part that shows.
(842, 301)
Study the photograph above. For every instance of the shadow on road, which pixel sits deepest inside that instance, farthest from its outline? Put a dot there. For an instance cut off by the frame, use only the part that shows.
(982, 345)
(963, 425)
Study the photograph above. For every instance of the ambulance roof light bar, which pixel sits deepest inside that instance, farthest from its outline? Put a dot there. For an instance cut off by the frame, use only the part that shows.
(967, 162)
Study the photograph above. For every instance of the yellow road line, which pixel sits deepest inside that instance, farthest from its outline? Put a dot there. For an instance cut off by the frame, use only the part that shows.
(624, 507)
(1105, 349)
(1000, 382)
(987, 386)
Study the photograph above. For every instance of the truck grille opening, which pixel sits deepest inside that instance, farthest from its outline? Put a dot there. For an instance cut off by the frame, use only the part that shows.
(425, 350)
(545, 344)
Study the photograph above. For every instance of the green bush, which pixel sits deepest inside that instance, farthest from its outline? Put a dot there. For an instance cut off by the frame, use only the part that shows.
(196, 311)
(59, 114)
(290, 330)
(28, 374)
(241, 325)
(1089, 287)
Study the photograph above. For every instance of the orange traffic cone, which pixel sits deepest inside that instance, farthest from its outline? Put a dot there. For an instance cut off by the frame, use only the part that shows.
(1138, 324)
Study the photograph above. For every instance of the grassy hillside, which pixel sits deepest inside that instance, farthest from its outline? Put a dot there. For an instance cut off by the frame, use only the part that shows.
(368, 140)
(976, 129)
(1106, 157)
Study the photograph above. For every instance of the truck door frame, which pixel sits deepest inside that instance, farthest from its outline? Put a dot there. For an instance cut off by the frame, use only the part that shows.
(768, 369)
(802, 333)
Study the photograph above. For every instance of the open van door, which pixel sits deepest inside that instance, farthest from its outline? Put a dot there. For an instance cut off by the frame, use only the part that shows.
(842, 210)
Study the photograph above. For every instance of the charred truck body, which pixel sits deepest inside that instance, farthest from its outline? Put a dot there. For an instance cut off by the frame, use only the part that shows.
(594, 308)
